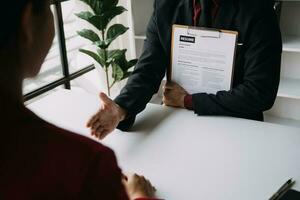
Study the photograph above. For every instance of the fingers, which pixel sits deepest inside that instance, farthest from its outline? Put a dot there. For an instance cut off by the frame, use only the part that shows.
(138, 178)
(124, 177)
(101, 132)
(137, 186)
(168, 86)
(167, 98)
(92, 121)
(105, 99)
(173, 95)
(173, 86)
(131, 176)
(164, 100)
(104, 134)
(143, 181)
(149, 185)
(96, 125)
(106, 120)
(167, 89)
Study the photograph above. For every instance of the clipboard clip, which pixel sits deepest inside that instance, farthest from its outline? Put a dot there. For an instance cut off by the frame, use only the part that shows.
(204, 32)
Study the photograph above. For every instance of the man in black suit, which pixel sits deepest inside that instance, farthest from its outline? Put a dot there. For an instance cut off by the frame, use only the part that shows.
(257, 64)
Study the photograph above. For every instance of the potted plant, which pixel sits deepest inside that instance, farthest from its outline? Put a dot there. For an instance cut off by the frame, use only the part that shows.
(103, 11)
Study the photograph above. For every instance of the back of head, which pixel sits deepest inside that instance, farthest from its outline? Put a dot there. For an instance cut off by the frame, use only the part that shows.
(25, 38)
(10, 17)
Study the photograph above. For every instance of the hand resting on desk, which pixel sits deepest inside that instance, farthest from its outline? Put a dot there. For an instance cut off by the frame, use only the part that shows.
(174, 95)
(138, 186)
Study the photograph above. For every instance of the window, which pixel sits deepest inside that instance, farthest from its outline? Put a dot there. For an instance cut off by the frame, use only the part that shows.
(63, 63)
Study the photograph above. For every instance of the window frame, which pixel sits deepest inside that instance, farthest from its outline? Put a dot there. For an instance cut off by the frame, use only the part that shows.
(67, 77)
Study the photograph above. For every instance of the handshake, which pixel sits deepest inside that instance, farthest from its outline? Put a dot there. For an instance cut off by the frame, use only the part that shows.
(111, 114)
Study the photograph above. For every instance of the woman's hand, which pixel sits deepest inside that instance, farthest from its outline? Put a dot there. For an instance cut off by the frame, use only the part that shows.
(138, 187)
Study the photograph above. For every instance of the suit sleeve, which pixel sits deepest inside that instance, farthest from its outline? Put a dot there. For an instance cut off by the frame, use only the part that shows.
(258, 90)
(146, 77)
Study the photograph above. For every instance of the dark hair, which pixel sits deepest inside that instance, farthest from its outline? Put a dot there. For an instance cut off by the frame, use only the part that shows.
(11, 14)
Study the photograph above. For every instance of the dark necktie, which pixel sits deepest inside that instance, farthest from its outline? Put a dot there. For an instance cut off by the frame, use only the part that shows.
(205, 17)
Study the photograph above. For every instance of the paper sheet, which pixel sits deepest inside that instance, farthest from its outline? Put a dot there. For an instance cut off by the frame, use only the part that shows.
(202, 60)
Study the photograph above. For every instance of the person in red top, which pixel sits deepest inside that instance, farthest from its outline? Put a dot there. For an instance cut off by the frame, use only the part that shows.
(37, 159)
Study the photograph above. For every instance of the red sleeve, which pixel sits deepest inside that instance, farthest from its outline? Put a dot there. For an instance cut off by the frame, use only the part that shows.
(104, 179)
(188, 102)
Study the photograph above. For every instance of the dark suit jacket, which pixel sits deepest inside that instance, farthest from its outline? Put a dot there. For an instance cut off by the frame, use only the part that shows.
(257, 64)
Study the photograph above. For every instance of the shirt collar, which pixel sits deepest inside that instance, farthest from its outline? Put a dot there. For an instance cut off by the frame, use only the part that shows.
(216, 2)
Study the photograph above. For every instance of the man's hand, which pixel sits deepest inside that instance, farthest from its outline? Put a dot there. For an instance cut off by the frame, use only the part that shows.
(138, 186)
(174, 95)
(107, 118)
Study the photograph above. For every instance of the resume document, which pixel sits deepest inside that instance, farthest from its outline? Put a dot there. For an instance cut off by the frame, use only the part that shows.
(202, 59)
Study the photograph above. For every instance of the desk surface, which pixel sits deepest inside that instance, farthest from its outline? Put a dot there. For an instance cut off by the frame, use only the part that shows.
(190, 157)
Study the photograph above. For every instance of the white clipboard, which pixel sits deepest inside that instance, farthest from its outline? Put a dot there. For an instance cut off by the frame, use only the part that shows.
(202, 59)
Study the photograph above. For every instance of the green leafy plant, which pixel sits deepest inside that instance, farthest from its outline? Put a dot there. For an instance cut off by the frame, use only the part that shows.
(103, 11)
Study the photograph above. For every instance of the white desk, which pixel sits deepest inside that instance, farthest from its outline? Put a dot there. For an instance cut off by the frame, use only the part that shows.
(189, 157)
